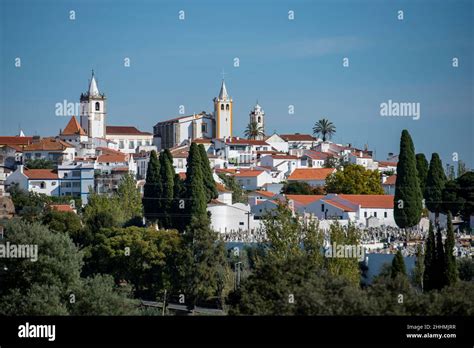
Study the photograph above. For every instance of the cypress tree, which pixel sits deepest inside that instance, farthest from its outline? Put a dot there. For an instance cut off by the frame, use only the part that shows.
(179, 207)
(196, 199)
(167, 193)
(407, 200)
(440, 266)
(152, 188)
(398, 265)
(428, 279)
(451, 269)
(209, 183)
(435, 182)
(419, 267)
(422, 169)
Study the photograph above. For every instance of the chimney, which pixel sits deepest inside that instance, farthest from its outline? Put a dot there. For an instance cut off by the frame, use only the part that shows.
(36, 139)
(360, 153)
(21, 168)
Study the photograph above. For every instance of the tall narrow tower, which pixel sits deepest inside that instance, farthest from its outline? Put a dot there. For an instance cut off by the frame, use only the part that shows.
(223, 113)
(93, 111)
(257, 115)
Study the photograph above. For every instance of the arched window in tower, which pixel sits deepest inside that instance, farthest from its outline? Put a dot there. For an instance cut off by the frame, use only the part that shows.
(259, 119)
(97, 106)
(222, 106)
(227, 107)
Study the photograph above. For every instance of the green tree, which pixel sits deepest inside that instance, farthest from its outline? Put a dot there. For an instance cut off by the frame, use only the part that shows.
(205, 264)
(39, 163)
(398, 265)
(209, 183)
(196, 198)
(419, 267)
(103, 211)
(422, 170)
(65, 222)
(325, 128)
(232, 185)
(429, 276)
(407, 200)
(297, 188)
(461, 168)
(253, 131)
(25, 284)
(451, 271)
(144, 257)
(354, 179)
(439, 271)
(98, 295)
(152, 189)
(167, 175)
(435, 182)
(130, 198)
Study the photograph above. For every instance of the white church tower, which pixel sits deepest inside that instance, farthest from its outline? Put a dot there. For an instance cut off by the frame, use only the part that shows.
(93, 111)
(223, 114)
(257, 115)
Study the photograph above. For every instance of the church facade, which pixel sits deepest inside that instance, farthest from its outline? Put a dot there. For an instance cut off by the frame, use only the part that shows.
(173, 132)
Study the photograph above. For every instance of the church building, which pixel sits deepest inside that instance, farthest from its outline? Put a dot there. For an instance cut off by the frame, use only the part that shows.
(173, 132)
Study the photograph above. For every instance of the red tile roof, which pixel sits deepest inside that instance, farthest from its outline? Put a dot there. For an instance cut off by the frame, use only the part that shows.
(62, 207)
(339, 205)
(387, 164)
(316, 155)
(390, 180)
(264, 193)
(311, 173)
(297, 137)
(16, 140)
(370, 201)
(226, 170)
(182, 175)
(124, 130)
(221, 188)
(305, 199)
(241, 141)
(112, 158)
(73, 128)
(46, 174)
(49, 144)
(284, 157)
(249, 173)
(202, 141)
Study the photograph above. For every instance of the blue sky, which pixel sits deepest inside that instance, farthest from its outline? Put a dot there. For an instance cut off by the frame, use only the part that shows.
(282, 63)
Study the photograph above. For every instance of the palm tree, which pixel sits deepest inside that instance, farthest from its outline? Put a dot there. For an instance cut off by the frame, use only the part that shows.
(253, 131)
(325, 128)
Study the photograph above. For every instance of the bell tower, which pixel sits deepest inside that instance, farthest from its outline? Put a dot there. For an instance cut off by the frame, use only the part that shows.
(93, 111)
(257, 116)
(223, 113)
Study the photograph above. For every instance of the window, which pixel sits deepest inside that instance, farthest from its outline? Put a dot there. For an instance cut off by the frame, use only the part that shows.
(43, 185)
(76, 184)
(227, 107)
(385, 214)
(139, 143)
(204, 127)
(53, 183)
(65, 175)
(375, 214)
(148, 143)
(322, 208)
(248, 181)
(131, 144)
(222, 106)
(259, 119)
(241, 223)
(76, 173)
(121, 144)
(97, 106)
(180, 163)
(365, 214)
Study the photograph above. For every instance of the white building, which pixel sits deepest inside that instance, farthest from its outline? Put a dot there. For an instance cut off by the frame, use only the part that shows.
(283, 163)
(44, 181)
(253, 179)
(130, 139)
(240, 152)
(277, 142)
(362, 159)
(51, 149)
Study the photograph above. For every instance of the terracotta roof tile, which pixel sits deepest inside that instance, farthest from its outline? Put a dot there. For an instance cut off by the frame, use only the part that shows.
(311, 173)
(62, 207)
(111, 158)
(73, 128)
(370, 201)
(339, 205)
(124, 130)
(16, 140)
(304, 199)
(249, 173)
(390, 180)
(48, 144)
(297, 137)
(47, 174)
